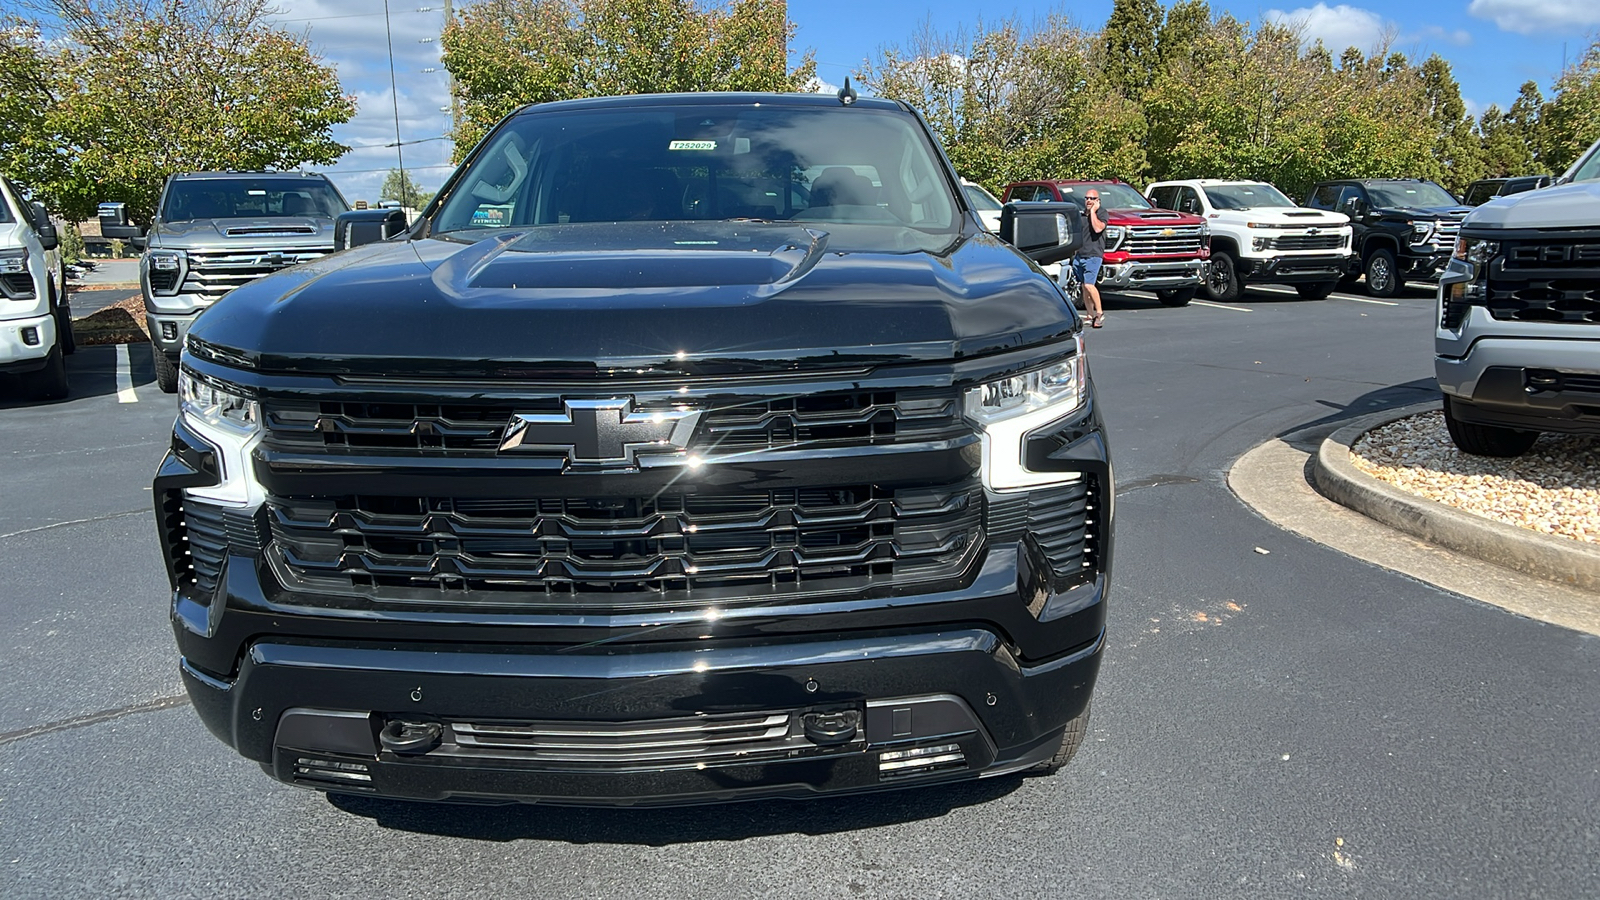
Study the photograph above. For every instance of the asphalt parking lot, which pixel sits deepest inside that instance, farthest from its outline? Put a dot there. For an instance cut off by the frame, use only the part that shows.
(1273, 718)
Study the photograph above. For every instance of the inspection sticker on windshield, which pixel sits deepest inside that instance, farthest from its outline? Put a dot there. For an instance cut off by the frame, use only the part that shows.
(692, 145)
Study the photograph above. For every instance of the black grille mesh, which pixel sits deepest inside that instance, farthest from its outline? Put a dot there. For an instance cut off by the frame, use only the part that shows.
(1546, 281)
(473, 550)
(199, 537)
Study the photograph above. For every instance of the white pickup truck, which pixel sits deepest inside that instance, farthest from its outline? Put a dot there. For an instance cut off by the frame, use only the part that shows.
(35, 320)
(1260, 236)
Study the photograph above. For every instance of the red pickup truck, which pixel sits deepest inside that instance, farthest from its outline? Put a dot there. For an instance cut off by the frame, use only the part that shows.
(1146, 248)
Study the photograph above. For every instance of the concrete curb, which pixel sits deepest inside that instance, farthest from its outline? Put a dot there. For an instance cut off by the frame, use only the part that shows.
(1555, 559)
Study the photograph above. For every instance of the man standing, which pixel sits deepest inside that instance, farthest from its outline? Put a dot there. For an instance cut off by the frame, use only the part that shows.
(1089, 256)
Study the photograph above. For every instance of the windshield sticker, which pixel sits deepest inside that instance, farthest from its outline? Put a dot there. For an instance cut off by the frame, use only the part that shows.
(692, 145)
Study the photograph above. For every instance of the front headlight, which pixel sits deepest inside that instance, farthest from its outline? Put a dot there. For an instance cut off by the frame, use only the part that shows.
(165, 269)
(1008, 409)
(1420, 231)
(14, 261)
(204, 402)
(1114, 236)
(1476, 251)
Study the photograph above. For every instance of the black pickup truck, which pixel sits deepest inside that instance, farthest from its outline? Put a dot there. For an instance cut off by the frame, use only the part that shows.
(1405, 229)
(687, 448)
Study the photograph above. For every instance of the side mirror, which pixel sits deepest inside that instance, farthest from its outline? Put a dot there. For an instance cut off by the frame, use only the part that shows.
(1354, 208)
(1044, 232)
(114, 224)
(367, 226)
(48, 239)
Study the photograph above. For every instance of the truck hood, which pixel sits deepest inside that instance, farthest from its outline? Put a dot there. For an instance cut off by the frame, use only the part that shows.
(1422, 212)
(1150, 217)
(1289, 216)
(1563, 206)
(279, 232)
(639, 300)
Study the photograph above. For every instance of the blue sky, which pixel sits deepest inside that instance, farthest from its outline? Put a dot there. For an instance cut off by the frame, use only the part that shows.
(1493, 46)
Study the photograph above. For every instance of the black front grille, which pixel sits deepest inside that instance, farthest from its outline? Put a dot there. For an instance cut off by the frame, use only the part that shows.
(1067, 523)
(428, 550)
(1308, 242)
(816, 421)
(1546, 281)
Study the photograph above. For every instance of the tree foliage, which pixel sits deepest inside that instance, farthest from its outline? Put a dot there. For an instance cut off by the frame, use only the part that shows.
(505, 53)
(134, 90)
(398, 185)
(1188, 93)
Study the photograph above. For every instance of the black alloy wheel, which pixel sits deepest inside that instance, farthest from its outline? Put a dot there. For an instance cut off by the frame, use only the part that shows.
(1222, 278)
(1383, 275)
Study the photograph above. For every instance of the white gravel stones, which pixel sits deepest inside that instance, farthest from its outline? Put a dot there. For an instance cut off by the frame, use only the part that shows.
(1553, 488)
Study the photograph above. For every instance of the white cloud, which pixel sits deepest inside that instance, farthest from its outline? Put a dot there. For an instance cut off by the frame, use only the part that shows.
(350, 36)
(1529, 16)
(1474, 108)
(1337, 27)
(1458, 37)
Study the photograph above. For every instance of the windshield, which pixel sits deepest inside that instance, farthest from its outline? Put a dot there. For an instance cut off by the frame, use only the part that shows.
(980, 199)
(1245, 196)
(1112, 196)
(1589, 168)
(852, 166)
(1421, 194)
(251, 198)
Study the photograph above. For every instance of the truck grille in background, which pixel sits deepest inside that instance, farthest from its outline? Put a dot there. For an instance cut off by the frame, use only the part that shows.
(213, 274)
(1150, 240)
(1308, 242)
(1444, 234)
(199, 536)
(1546, 281)
(840, 419)
(511, 552)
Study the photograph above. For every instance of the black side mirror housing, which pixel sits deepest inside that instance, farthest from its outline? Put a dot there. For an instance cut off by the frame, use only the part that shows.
(367, 226)
(46, 229)
(114, 224)
(1045, 232)
(1354, 208)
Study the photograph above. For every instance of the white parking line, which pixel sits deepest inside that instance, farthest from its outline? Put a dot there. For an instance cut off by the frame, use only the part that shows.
(1370, 300)
(125, 392)
(1219, 305)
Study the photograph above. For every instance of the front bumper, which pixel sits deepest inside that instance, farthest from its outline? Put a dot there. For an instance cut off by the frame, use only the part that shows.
(19, 356)
(1533, 384)
(1424, 262)
(596, 727)
(1297, 269)
(1151, 276)
(168, 330)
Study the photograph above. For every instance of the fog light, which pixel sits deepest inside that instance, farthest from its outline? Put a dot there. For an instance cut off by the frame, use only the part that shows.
(920, 760)
(169, 331)
(30, 336)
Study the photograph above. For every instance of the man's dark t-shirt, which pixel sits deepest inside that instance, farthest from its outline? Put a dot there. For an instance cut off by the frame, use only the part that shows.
(1094, 242)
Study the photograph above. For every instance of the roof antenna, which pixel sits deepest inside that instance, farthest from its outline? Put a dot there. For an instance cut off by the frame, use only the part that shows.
(847, 94)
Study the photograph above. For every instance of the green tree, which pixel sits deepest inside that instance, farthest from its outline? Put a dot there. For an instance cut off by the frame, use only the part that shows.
(1458, 146)
(1130, 40)
(138, 89)
(1013, 102)
(1570, 122)
(398, 185)
(505, 53)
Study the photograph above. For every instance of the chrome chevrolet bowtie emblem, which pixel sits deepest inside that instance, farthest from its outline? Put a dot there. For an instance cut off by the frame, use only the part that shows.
(601, 432)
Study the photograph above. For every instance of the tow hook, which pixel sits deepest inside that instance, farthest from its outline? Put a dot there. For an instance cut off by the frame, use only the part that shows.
(410, 738)
(829, 728)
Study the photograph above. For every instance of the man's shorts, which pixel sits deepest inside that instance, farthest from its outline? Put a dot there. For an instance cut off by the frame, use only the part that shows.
(1087, 268)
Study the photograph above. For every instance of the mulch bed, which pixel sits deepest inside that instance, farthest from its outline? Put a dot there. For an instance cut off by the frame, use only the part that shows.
(120, 323)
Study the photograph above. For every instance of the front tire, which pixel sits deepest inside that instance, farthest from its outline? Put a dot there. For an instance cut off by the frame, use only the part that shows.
(1176, 296)
(1318, 291)
(69, 341)
(166, 371)
(1071, 740)
(50, 382)
(1485, 440)
(1222, 279)
(1383, 275)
